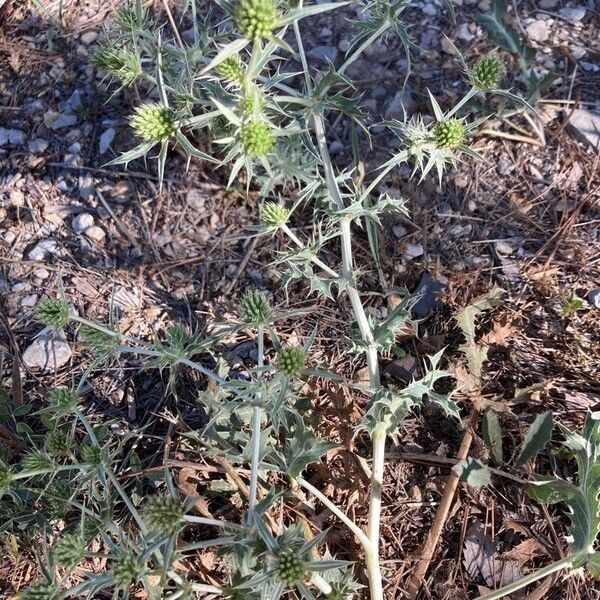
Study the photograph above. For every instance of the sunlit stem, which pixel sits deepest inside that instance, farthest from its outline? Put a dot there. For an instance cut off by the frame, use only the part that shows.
(463, 101)
(378, 438)
(321, 584)
(256, 432)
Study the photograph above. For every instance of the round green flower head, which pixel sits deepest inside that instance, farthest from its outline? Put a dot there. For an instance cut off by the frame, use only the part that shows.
(40, 591)
(256, 138)
(126, 570)
(164, 514)
(290, 568)
(92, 455)
(63, 399)
(230, 69)
(255, 309)
(487, 72)
(273, 214)
(153, 122)
(290, 360)
(449, 134)
(256, 18)
(58, 443)
(53, 312)
(5, 477)
(252, 102)
(120, 61)
(69, 550)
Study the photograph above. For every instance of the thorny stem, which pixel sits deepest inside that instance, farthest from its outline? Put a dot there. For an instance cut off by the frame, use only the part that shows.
(321, 584)
(315, 259)
(256, 427)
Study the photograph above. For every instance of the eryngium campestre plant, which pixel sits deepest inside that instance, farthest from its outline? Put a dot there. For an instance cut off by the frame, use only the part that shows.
(256, 18)
(290, 360)
(449, 134)
(63, 400)
(487, 72)
(255, 309)
(273, 215)
(69, 550)
(5, 477)
(153, 122)
(58, 443)
(40, 591)
(164, 514)
(53, 312)
(230, 69)
(256, 138)
(92, 455)
(121, 62)
(36, 461)
(127, 570)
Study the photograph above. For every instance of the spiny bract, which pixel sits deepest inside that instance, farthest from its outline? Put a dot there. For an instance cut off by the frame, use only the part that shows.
(69, 550)
(290, 568)
(126, 570)
(449, 134)
(255, 309)
(256, 18)
(290, 360)
(153, 122)
(164, 514)
(273, 214)
(40, 591)
(53, 312)
(256, 138)
(58, 443)
(92, 455)
(487, 72)
(230, 69)
(63, 399)
(36, 461)
(99, 342)
(121, 62)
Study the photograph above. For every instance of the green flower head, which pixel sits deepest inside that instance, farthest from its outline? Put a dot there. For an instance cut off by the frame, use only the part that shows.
(256, 19)
(36, 461)
(164, 514)
(53, 312)
(252, 103)
(487, 72)
(121, 62)
(40, 591)
(230, 69)
(127, 570)
(273, 214)
(290, 568)
(5, 477)
(290, 360)
(63, 399)
(255, 309)
(256, 138)
(449, 134)
(58, 443)
(92, 455)
(153, 122)
(69, 550)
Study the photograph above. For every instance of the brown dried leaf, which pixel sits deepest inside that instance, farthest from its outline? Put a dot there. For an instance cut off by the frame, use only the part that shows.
(499, 335)
(525, 551)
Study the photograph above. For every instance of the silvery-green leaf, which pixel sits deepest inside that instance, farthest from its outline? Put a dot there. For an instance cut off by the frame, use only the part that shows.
(492, 434)
(537, 437)
(473, 472)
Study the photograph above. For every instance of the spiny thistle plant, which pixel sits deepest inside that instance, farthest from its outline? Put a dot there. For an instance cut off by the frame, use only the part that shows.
(229, 83)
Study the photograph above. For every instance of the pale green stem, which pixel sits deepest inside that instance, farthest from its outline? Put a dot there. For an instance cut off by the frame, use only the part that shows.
(293, 100)
(564, 563)
(462, 102)
(256, 432)
(49, 471)
(206, 521)
(314, 259)
(321, 584)
(378, 438)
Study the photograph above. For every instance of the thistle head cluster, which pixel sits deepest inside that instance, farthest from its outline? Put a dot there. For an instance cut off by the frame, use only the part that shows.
(69, 550)
(256, 138)
(164, 514)
(256, 19)
(290, 360)
(487, 72)
(153, 122)
(53, 312)
(273, 215)
(40, 591)
(230, 69)
(58, 443)
(255, 309)
(290, 568)
(252, 103)
(126, 570)
(92, 455)
(63, 399)
(128, 19)
(36, 461)
(118, 60)
(449, 134)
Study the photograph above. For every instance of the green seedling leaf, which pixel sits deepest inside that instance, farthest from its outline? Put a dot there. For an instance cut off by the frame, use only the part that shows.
(473, 472)
(492, 435)
(537, 437)
(582, 499)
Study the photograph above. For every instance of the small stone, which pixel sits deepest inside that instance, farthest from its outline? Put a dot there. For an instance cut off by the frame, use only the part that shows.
(38, 146)
(41, 273)
(403, 369)
(336, 147)
(82, 222)
(121, 191)
(448, 47)
(578, 53)
(86, 187)
(95, 233)
(399, 231)
(73, 160)
(89, 37)
(585, 125)
(74, 148)
(17, 198)
(49, 351)
(573, 14)
(414, 250)
(428, 289)
(505, 167)
(484, 5)
(63, 121)
(463, 33)
(538, 31)
(14, 137)
(503, 247)
(43, 249)
(402, 103)
(325, 33)
(29, 301)
(430, 9)
(324, 53)
(106, 140)
(593, 297)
